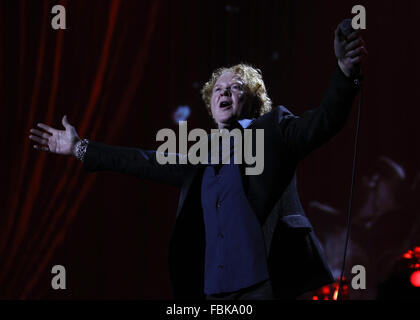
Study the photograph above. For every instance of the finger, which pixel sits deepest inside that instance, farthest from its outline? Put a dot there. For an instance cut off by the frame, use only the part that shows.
(356, 60)
(37, 147)
(46, 128)
(356, 52)
(65, 123)
(39, 140)
(353, 35)
(354, 44)
(40, 133)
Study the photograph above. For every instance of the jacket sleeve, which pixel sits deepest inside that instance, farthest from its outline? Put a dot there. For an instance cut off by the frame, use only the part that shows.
(315, 127)
(137, 162)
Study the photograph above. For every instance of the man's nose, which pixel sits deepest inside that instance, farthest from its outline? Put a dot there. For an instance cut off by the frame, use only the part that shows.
(226, 92)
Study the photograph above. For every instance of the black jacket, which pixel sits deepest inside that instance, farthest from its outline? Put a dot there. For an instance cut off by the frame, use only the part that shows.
(295, 261)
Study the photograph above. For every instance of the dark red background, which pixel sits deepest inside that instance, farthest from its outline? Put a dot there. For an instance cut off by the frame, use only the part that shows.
(119, 71)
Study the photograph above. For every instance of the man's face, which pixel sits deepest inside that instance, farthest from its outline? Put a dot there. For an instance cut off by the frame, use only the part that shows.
(228, 99)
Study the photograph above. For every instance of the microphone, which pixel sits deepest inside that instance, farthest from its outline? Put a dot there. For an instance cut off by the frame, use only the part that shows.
(346, 27)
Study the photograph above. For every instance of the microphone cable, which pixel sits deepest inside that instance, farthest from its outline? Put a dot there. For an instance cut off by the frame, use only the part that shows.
(353, 176)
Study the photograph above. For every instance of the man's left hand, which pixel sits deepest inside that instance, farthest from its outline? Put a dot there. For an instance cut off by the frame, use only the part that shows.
(350, 51)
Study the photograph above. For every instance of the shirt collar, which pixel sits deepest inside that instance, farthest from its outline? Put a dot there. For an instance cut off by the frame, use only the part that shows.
(245, 123)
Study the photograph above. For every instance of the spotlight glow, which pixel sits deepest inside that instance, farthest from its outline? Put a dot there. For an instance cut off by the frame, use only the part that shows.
(415, 279)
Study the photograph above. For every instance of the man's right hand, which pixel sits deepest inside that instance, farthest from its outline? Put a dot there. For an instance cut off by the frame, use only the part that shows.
(55, 141)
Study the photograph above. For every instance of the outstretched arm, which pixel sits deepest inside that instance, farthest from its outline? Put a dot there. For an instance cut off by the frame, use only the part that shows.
(137, 162)
(101, 157)
(315, 127)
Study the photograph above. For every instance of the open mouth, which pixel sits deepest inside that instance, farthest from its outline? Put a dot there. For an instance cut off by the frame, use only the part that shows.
(225, 104)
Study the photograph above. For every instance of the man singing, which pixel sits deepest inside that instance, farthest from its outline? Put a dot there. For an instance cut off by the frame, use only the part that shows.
(238, 236)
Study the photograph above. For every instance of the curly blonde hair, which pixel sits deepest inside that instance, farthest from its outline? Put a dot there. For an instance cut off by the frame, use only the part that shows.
(255, 88)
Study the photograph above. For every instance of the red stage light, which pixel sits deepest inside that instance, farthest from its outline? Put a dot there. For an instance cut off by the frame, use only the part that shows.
(407, 256)
(326, 290)
(415, 279)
